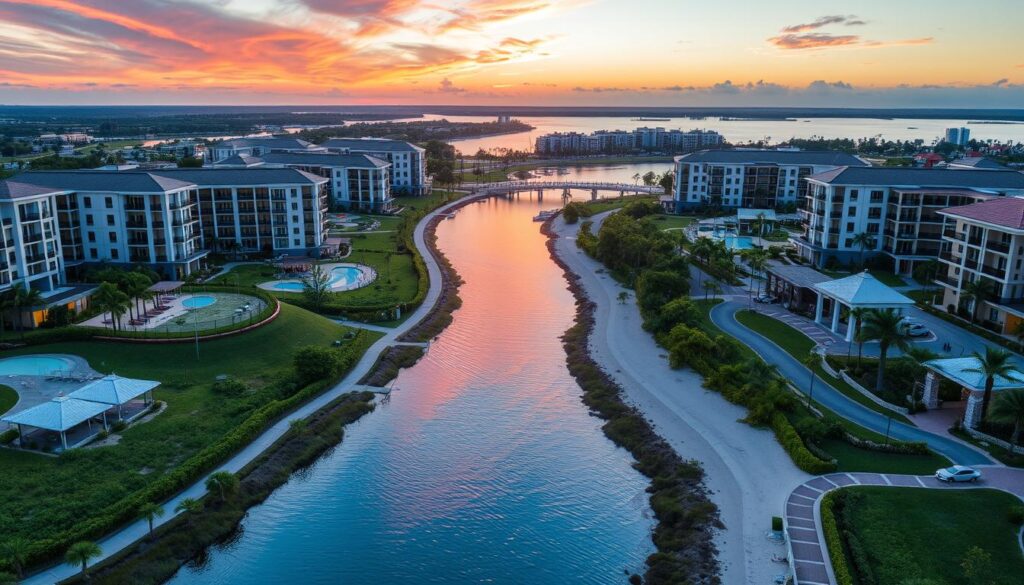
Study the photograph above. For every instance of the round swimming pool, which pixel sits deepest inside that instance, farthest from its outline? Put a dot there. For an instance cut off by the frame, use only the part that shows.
(33, 365)
(198, 302)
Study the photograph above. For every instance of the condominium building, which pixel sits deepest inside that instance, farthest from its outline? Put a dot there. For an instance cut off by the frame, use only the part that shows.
(985, 241)
(258, 146)
(752, 178)
(896, 207)
(612, 141)
(356, 181)
(408, 170)
(959, 136)
(57, 222)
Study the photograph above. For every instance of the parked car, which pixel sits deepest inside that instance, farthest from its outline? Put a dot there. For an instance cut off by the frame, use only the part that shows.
(766, 299)
(913, 328)
(957, 473)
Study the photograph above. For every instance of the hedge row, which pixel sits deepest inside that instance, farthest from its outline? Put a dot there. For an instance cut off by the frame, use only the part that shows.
(187, 473)
(834, 542)
(797, 450)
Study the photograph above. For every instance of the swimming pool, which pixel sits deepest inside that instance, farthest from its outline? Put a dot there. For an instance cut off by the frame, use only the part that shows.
(198, 302)
(738, 242)
(341, 278)
(33, 365)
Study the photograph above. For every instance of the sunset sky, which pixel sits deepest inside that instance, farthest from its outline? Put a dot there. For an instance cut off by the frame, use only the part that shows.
(924, 53)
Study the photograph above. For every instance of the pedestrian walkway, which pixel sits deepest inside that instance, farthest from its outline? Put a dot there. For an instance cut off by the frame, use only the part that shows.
(817, 332)
(809, 554)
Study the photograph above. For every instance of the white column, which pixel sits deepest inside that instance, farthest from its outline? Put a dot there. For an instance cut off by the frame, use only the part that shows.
(835, 316)
(931, 391)
(851, 325)
(972, 416)
(819, 308)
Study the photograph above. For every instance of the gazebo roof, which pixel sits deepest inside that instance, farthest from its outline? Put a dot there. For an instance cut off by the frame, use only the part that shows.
(745, 214)
(166, 286)
(113, 390)
(863, 290)
(60, 414)
(956, 369)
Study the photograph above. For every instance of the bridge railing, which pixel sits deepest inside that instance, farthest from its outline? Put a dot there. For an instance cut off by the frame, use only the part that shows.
(601, 186)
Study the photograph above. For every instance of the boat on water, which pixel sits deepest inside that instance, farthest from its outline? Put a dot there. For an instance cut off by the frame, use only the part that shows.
(641, 119)
(545, 215)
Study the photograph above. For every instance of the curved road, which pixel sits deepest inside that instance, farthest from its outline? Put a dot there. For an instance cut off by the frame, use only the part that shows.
(129, 534)
(724, 316)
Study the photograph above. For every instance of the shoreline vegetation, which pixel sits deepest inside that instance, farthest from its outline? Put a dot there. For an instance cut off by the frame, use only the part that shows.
(686, 516)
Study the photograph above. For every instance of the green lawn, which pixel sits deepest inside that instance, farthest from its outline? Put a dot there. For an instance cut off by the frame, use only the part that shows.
(925, 295)
(8, 398)
(852, 458)
(799, 345)
(912, 533)
(667, 222)
(40, 495)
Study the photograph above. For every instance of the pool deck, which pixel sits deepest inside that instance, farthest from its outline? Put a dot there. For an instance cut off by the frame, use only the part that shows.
(367, 277)
(177, 309)
(35, 390)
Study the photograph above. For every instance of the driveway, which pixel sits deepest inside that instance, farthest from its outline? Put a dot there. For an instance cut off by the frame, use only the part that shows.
(724, 316)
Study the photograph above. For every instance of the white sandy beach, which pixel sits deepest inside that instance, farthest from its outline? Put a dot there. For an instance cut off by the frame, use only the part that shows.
(747, 471)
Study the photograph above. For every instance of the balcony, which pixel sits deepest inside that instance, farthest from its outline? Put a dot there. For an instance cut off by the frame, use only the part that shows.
(947, 280)
(949, 257)
(998, 247)
(952, 233)
(999, 273)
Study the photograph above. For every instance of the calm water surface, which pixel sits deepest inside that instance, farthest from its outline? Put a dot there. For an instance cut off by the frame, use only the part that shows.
(484, 468)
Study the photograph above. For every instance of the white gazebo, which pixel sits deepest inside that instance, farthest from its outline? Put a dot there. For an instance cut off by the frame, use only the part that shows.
(957, 370)
(113, 390)
(59, 415)
(857, 291)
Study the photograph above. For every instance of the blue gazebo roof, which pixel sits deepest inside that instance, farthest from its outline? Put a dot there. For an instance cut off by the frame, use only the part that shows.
(956, 369)
(60, 414)
(113, 390)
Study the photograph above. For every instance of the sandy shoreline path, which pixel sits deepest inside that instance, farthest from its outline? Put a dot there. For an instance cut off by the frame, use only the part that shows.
(747, 472)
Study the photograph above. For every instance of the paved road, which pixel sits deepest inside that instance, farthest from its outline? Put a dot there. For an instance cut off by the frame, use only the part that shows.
(129, 534)
(803, 511)
(723, 316)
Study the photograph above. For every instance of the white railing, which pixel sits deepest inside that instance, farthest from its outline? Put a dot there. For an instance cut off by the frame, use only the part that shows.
(583, 185)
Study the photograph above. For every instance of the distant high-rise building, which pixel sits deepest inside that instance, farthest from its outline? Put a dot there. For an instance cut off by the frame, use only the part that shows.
(958, 136)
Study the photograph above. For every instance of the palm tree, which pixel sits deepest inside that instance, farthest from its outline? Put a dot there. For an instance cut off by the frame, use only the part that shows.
(8, 578)
(151, 511)
(6, 304)
(223, 482)
(978, 291)
(1009, 408)
(190, 506)
(995, 362)
(25, 298)
(712, 287)
(757, 260)
(863, 240)
(136, 287)
(81, 553)
(886, 326)
(15, 552)
(811, 361)
(111, 300)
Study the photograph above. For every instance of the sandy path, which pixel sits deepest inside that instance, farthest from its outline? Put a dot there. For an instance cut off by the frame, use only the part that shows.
(748, 473)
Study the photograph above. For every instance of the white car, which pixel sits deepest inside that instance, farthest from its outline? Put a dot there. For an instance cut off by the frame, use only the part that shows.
(766, 299)
(957, 473)
(913, 328)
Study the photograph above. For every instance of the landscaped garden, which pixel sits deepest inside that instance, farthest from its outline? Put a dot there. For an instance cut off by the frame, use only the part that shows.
(215, 399)
(925, 536)
(8, 398)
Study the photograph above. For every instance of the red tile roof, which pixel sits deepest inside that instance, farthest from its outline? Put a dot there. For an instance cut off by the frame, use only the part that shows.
(1002, 211)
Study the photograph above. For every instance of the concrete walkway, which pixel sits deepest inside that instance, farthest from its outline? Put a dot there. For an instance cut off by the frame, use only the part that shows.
(128, 535)
(724, 316)
(810, 558)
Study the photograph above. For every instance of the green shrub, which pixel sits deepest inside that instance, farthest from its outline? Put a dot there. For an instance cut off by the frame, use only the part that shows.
(315, 363)
(1016, 515)
(8, 436)
(834, 541)
(777, 523)
(794, 445)
(229, 387)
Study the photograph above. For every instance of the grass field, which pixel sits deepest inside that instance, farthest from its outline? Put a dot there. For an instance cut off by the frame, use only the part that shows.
(40, 496)
(8, 398)
(667, 222)
(907, 534)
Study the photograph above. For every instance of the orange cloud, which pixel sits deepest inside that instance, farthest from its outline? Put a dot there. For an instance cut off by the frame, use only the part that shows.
(812, 40)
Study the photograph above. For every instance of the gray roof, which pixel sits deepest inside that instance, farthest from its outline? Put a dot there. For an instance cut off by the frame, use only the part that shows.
(371, 145)
(800, 276)
(778, 157)
(326, 159)
(921, 178)
(113, 390)
(37, 182)
(155, 181)
(863, 290)
(239, 160)
(267, 141)
(976, 162)
(59, 414)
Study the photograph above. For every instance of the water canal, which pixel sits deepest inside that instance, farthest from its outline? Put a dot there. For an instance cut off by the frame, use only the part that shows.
(485, 467)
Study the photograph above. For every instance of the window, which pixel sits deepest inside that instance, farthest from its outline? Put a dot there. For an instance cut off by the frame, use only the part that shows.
(109, 202)
(297, 242)
(295, 206)
(993, 314)
(848, 243)
(850, 227)
(87, 202)
(92, 253)
(851, 211)
(853, 194)
(92, 236)
(88, 220)
(113, 237)
(295, 230)
(110, 220)
(114, 254)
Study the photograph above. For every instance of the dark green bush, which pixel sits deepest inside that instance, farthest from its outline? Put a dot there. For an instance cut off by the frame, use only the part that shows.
(1016, 515)
(794, 446)
(8, 436)
(229, 387)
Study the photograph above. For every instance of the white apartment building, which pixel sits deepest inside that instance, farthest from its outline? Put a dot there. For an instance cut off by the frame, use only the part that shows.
(897, 207)
(258, 146)
(57, 222)
(985, 241)
(611, 141)
(750, 178)
(356, 181)
(408, 162)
